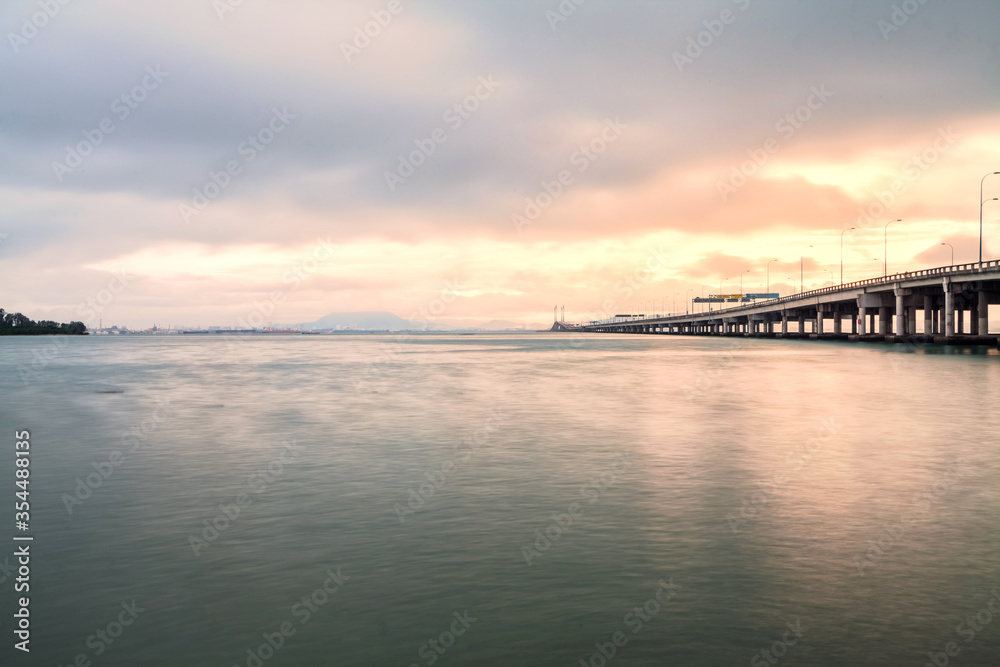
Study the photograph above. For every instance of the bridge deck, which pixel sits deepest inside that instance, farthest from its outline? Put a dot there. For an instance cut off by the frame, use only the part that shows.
(944, 295)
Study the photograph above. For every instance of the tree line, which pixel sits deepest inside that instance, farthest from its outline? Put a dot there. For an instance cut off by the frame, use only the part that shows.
(16, 324)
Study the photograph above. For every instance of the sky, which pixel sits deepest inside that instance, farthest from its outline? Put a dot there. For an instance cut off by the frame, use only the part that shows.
(207, 162)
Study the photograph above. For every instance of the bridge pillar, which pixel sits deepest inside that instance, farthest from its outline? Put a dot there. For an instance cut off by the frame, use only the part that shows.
(984, 313)
(949, 309)
(959, 320)
(911, 314)
(818, 328)
(928, 314)
(860, 321)
(837, 322)
(974, 317)
(883, 320)
(802, 322)
(854, 324)
(900, 313)
(784, 322)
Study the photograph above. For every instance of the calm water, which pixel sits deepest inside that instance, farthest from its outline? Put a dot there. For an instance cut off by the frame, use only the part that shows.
(850, 491)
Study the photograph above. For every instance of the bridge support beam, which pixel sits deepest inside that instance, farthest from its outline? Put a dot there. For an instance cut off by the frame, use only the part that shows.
(784, 322)
(949, 309)
(900, 313)
(911, 319)
(974, 316)
(861, 320)
(883, 320)
(818, 329)
(928, 314)
(984, 313)
(837, 322)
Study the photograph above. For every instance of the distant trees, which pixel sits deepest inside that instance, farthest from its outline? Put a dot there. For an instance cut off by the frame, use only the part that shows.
(16, 324)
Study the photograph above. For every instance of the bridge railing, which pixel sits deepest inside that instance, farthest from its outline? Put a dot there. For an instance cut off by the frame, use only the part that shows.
(972, 267)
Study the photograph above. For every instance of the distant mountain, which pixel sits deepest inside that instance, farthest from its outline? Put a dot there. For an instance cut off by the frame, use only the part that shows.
(502, 325)
(376, 320)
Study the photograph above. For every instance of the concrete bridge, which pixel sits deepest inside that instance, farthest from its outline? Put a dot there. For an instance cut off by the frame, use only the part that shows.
(951, 300)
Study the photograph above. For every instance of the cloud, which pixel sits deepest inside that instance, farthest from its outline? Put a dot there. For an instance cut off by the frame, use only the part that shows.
(324, 174)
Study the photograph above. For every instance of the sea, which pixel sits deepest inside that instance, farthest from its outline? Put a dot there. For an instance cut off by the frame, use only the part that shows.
(498, 499)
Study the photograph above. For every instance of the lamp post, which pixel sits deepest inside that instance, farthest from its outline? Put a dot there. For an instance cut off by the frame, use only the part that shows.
(952, 252)
(741, 283)
(992, 173)
(688, 304)
(674, 309)
(768, 267)
(842, 254)
(831, 274)
(800, 273)
(981, 224)
(876, 259)
(885, 250)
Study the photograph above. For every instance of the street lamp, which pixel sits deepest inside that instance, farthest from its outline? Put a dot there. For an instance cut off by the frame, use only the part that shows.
(981, 201)
(674, 309)
(842, 254)
(831, 274)
(741, 283)
(885, 250)
(981, 225)
(800, 273)
(952, 252)
(686, 305)
(768, 268)
(876, 259)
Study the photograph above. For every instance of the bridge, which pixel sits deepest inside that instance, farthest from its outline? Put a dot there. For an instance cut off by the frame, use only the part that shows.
(952, 300)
